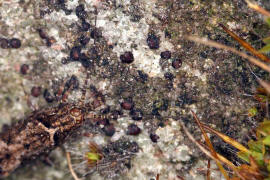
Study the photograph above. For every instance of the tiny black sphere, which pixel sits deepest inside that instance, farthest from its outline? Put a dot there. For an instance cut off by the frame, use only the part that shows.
(165, 54)
(24, 69)
(15, 43)
(133, 129)
(177, 63)
(127, 57)
(152, 41)
(4, 43)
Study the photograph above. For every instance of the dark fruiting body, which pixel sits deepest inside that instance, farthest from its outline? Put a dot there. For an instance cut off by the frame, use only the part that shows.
(24, 69)
(80, 12)
(165, 54)
(133, 129)
(75, 53)
(177, 63)
(84, 40)
(35, 91)
(15, 43)
(4, 43)
(47, 96)
(127, 105)
(154, 137)
(152, 41)
(85, 26)
(127, 57)
(109, 130)
(42, 34)
(169, 76)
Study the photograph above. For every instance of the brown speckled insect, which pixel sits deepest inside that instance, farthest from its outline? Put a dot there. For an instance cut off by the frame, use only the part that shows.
(41, 132)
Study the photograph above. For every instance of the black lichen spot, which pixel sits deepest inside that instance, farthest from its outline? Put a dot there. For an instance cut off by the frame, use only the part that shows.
(93, 53)
(165, 54)
(154, 137)
(35, 91)
(133, 129)
(26, 146)
(75, 53)
(183, 100)
(15, 43)
(85, 60)
(85, 26)
(109, 130)
(115, 114)
(176, 63)
(73, 83)
(84, 40)
(4, 43)
(152, 41)
(96, 33)
(127, 105)
(143, 77)
(127, 57)
(47, 96)
(24, 69)
(167, 34)
(203, 54)
(65, 60)
(105, 62)
(80, 12)
(105, 110)
(169, 76)
(136, 114)
(7, 156)
(42, 34)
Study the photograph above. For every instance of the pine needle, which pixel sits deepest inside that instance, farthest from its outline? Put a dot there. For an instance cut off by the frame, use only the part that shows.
(257, 8)
(227, 139)
(246, 45)
(221, 46)
(209, 144)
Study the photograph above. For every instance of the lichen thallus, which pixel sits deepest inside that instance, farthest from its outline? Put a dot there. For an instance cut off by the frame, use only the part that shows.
(44, 130)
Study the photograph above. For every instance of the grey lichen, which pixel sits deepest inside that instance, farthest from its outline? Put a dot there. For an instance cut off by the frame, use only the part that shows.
(210, 82)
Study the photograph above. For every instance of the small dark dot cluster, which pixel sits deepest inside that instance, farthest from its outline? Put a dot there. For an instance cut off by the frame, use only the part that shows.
(43, 35)
(10, 43)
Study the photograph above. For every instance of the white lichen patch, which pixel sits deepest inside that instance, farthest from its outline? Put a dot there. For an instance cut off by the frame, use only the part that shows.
(127, 35)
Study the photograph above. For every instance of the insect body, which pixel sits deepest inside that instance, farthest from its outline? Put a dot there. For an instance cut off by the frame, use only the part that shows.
(40, 133)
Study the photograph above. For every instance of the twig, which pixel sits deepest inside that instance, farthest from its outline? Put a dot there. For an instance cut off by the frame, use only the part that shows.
(70, 167)
(221, 46)
(257, 8)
